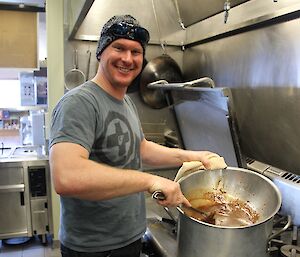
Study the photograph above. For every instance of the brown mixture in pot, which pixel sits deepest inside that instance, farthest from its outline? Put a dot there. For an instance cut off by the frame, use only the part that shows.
(222, 209)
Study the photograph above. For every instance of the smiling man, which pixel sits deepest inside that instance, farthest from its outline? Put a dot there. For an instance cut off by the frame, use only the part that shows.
(97, 148)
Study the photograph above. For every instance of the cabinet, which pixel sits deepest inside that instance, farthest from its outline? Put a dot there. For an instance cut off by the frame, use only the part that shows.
(19, 46)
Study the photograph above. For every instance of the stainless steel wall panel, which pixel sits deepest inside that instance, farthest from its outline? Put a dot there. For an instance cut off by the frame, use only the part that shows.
(262, 67)
(203, 123)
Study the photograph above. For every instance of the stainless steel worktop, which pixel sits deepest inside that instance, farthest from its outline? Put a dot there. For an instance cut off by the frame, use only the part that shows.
(22, 153)
(23, 159)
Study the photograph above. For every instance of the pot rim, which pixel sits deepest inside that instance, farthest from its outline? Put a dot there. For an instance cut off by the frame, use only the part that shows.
(271, 183)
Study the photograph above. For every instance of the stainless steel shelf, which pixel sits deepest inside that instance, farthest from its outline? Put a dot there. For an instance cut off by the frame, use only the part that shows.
(25, 108)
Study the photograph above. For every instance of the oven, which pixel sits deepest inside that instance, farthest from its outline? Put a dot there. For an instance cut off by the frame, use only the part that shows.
(14, 202)
(25, 198)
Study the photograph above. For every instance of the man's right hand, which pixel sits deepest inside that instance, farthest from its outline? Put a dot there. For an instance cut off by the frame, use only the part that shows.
(171, 190)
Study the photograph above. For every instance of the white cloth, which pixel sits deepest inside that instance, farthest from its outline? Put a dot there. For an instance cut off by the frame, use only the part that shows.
(216, 162)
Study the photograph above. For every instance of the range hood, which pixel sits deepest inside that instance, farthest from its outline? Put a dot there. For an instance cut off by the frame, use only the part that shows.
(165, 20)
(159, 17)
(193, 11)
(178, 22)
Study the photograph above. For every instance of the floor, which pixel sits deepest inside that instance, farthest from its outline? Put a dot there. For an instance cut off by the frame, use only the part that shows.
(31, 248)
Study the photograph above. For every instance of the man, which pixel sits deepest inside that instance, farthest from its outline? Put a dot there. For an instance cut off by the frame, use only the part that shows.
(97, 148)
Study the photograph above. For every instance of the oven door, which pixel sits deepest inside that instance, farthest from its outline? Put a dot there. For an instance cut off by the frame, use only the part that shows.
(13, 214)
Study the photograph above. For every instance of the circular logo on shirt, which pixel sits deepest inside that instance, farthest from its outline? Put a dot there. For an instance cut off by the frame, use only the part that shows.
(117, 146)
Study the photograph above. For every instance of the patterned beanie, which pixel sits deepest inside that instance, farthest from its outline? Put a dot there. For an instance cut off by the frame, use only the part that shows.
(107, 37)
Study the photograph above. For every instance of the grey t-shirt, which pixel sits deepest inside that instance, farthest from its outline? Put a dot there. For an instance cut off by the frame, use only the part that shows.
(110, 130)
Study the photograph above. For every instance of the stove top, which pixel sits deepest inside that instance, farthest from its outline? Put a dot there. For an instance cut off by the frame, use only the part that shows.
(287, 244)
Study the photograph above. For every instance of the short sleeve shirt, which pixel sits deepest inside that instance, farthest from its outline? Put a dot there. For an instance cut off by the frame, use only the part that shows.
(109, 129)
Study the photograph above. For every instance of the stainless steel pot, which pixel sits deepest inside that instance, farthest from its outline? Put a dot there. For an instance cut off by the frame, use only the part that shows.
(200, 239)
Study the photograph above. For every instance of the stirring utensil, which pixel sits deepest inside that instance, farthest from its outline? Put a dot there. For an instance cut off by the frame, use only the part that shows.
(159, 195)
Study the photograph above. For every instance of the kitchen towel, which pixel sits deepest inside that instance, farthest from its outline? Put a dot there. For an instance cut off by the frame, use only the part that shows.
(216, 162)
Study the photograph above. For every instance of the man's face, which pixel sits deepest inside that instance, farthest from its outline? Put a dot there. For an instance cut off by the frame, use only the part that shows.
(121, 62)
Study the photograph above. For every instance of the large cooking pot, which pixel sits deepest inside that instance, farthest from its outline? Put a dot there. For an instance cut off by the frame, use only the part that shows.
(201, 239)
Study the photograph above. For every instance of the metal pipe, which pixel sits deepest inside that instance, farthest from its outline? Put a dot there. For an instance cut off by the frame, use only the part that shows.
(194, 84)
(158, 29)
(179, 16)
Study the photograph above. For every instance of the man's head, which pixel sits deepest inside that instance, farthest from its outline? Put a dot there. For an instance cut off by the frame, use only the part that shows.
(122, 26)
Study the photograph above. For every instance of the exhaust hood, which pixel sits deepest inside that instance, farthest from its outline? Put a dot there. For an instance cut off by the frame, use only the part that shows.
(179, 22)
(92, 20)
(192, 11)
(167, 27)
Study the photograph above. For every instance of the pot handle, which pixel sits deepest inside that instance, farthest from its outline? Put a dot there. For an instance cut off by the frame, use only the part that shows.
(194, 84)
(287, 225)
(159, 195)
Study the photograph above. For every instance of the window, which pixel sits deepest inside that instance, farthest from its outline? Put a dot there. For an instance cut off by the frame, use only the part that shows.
(10, 95)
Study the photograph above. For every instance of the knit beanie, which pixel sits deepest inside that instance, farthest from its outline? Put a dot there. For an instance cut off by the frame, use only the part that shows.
(107, 36)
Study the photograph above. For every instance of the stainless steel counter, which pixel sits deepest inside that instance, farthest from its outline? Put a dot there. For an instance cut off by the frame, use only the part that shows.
(23, 159)
(21, 154)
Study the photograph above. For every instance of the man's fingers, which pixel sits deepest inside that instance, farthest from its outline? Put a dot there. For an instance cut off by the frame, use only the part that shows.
(186, 203)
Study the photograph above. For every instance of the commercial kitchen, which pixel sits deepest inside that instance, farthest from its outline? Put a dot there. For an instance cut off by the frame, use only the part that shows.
(221, 75)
